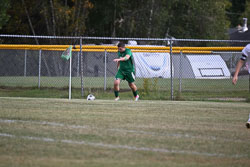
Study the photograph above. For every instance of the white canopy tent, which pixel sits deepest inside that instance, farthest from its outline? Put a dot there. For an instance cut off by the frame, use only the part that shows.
(208, 67)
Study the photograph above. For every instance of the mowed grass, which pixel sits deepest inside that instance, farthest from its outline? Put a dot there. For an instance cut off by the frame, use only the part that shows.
(59, 132)
(152, 83)
(149, 89)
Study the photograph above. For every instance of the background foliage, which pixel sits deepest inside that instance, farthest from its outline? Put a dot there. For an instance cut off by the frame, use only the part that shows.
(123, 18)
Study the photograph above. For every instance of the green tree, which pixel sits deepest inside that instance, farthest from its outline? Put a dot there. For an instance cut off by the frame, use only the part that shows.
(199, 19)
(18, 22)
(206, 19)
(102, 18)
(154, 18)
(234, 12)
(145, 18)
(65, 17)
(50, 17)
(4, 17)
(125, 18)
(246, 14)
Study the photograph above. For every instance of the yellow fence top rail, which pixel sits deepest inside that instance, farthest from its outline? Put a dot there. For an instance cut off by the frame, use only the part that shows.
(111, 48)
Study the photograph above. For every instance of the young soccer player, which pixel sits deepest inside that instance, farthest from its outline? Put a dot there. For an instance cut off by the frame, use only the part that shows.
(125, 71)
(245, 58)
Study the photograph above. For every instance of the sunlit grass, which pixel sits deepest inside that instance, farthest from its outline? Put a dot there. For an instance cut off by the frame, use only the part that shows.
(57, 132)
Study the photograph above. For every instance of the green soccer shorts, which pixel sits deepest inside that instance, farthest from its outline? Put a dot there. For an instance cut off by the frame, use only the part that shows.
(128, 76)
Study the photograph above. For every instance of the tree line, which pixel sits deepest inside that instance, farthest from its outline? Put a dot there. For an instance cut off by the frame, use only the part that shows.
(201, 19)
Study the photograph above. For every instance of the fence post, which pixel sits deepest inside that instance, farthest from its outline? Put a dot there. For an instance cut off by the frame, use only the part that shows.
(70, 77)
(231, 65)
(82, 90)
(180, 72)
(105, 70)
(171, 70)
(39, 68)
(78, 64)
(25, 63)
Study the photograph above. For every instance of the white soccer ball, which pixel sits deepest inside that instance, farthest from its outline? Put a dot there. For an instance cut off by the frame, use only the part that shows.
(90, 97)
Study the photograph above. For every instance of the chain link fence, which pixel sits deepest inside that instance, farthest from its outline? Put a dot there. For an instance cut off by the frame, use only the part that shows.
(201, 69)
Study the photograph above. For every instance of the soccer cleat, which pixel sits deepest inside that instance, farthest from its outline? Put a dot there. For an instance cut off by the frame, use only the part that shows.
(117, 98)
(248, 124)
(137, 98)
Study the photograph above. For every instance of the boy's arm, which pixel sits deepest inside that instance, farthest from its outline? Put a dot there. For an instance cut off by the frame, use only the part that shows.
(118, 65)
(237, 70)
(125, 58)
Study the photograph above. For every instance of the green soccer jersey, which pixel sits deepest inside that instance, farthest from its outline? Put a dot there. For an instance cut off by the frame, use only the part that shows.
(126, 66)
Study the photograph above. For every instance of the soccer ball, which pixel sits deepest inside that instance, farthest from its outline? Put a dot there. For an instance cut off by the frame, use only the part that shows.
(90, 97)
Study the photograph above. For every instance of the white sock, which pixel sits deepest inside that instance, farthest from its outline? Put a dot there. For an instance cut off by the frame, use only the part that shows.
(249, 118)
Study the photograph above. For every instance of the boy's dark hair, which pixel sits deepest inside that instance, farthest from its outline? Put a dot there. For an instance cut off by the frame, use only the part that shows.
(121, 44)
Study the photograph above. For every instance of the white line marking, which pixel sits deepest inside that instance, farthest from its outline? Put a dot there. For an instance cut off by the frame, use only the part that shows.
(6, 135)
(176, 135)
(134, 148)
(44, 123)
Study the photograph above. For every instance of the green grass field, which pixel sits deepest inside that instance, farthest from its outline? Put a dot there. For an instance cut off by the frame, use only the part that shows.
(155, 83)
(150, 89)
(59, 132)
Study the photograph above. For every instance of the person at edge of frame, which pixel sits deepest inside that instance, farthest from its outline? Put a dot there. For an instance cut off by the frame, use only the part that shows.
(125, 71)
(244, 58)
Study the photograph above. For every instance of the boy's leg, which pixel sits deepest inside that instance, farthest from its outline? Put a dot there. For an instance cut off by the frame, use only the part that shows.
(130, 77)
(134, 90)
(117, 88)
(118, 77)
